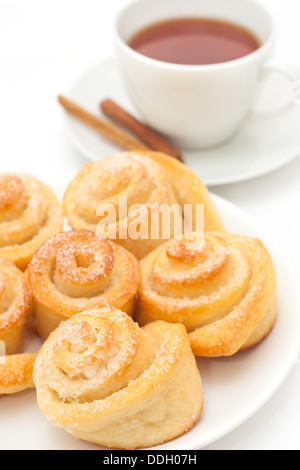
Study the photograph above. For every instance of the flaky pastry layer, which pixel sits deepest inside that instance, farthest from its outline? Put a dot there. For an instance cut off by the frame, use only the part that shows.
(147, 179)
(222, 288)
(102, 378)
(78, 270)
(16, 373)
(29, 214)
(14, 306)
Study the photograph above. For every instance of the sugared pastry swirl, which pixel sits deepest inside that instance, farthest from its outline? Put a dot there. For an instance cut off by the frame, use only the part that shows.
(222, 289)
(78, 270)
(16, 373)
(103, 379)
(14, 305)
(148, 180)
(29, 214)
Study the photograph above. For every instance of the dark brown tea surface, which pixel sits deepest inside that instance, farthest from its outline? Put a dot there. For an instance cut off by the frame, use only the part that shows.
(194, 41)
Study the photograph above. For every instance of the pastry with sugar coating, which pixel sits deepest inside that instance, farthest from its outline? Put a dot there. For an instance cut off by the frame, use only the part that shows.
(16, 373)
(103, 379)
(29, 214)
(221, 287)
(78, 270)
(15, 300)
(138, 186)
(15, 368)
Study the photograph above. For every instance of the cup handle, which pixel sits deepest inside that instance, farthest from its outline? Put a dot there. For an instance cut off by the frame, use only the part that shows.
(292, 76)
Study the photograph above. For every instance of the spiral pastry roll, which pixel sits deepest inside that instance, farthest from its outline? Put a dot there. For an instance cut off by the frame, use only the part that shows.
(136, 186)
(103, 379)
(78, 270)
(14, 306)
(29, 214)
(222, 289)
(16, 373)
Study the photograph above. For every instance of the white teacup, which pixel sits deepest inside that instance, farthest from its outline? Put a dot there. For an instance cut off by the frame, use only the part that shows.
(196, 106)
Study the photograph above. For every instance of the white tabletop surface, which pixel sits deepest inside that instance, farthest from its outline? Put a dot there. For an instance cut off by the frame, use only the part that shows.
(44, 47)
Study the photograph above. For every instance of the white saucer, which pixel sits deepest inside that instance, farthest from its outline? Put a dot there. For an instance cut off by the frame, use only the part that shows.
(261, 146)
(234, 388)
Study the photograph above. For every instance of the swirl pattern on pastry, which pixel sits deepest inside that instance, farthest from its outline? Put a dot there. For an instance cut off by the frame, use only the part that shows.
(78, 270)
(29, 214)
(105, 380)
(14, 305)
(143, 180)
(222, 289)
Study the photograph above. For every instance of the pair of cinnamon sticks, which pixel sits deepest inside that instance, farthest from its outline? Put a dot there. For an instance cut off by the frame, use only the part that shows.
(143, 138)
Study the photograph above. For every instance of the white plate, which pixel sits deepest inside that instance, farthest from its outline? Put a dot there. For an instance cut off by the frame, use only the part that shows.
(261, 146)
(234, 388)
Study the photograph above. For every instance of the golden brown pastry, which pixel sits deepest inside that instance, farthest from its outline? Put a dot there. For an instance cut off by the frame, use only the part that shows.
(14, 305)
(135, 184)
(29, 214)
(16, 373)
(78, 270)
(103, 379)
(223, 290)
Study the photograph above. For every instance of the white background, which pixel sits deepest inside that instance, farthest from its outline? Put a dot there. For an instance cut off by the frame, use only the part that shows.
(44, 47)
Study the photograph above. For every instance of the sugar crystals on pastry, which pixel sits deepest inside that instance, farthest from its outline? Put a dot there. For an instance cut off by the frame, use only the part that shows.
(14, 305)
(29, 214)
(103, 379)
(16, 373)
(148, 180)
(15, 368)
(78, 270)
(222, 289)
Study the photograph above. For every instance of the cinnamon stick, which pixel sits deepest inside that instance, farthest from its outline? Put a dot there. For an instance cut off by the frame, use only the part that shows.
(145, 133)
(108, 130)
